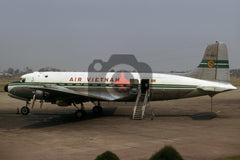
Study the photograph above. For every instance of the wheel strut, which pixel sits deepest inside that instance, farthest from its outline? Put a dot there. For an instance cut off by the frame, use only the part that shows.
(80, 113)
(25, 110)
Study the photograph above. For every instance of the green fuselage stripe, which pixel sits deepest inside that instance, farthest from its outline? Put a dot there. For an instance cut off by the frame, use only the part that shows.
(102, 85)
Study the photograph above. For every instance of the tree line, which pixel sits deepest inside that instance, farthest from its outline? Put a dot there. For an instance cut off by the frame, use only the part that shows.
(235, 73)
(17, 72)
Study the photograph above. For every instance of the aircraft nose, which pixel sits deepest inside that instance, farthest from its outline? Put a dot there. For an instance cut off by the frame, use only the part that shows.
(6, 88)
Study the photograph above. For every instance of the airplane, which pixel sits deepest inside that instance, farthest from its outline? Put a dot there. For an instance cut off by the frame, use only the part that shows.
(212, 76)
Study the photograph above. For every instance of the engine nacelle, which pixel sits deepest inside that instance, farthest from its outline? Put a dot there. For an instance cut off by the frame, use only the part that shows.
(63, 103)
(39, 94)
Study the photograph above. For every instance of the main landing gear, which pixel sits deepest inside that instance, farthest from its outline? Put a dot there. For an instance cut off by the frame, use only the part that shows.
(97, 109)
(80, 112)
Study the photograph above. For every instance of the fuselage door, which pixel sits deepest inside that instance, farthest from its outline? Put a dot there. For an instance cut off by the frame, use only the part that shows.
(144, 85)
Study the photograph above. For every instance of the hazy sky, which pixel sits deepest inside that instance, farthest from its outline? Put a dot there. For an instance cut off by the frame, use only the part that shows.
(70, 34)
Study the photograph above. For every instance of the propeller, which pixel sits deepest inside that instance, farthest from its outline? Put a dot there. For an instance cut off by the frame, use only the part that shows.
(34, 99)
(38, 94)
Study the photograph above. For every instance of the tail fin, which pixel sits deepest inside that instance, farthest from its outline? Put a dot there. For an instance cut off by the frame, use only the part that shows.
(214, 65)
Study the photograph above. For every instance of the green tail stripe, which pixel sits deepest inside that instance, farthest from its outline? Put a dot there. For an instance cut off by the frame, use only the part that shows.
(216, 61)
(217, 64)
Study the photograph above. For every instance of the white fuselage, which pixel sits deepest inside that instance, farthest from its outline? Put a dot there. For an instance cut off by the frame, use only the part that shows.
(162, 86)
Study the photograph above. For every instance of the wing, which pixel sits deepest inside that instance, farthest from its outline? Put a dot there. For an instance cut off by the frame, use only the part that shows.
(60, 91)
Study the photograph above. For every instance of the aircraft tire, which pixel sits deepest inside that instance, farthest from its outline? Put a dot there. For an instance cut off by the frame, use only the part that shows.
(97, 110)
(79, 114)
(25, 110)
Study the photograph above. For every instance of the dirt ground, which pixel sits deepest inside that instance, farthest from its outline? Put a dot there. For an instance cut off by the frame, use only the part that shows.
(53, 133)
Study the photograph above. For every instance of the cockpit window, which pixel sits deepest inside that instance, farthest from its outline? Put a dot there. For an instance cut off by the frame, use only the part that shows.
(22, 80)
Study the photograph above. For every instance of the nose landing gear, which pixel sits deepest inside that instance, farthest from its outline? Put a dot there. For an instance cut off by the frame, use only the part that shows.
(25, 110)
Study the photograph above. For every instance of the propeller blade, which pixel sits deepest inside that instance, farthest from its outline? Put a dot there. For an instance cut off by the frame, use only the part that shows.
(41, 103)
(34, 99)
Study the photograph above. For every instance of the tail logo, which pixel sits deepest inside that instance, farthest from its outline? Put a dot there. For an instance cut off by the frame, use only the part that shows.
(211, 64)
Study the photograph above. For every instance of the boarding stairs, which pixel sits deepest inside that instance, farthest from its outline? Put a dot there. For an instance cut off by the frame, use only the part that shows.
(140, 105)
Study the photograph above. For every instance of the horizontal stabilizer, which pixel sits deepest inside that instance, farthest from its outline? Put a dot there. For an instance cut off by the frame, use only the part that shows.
(216, 89)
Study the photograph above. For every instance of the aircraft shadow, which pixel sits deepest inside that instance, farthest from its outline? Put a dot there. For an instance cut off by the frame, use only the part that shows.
(195, 116)
(59, 119)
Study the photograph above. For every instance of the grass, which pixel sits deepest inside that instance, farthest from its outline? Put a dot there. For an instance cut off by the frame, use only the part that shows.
(6, 80)
(230, 158)
(235, 81)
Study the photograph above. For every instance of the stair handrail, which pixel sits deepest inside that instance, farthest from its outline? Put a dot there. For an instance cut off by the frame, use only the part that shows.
(146, 98)
(137, 100)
